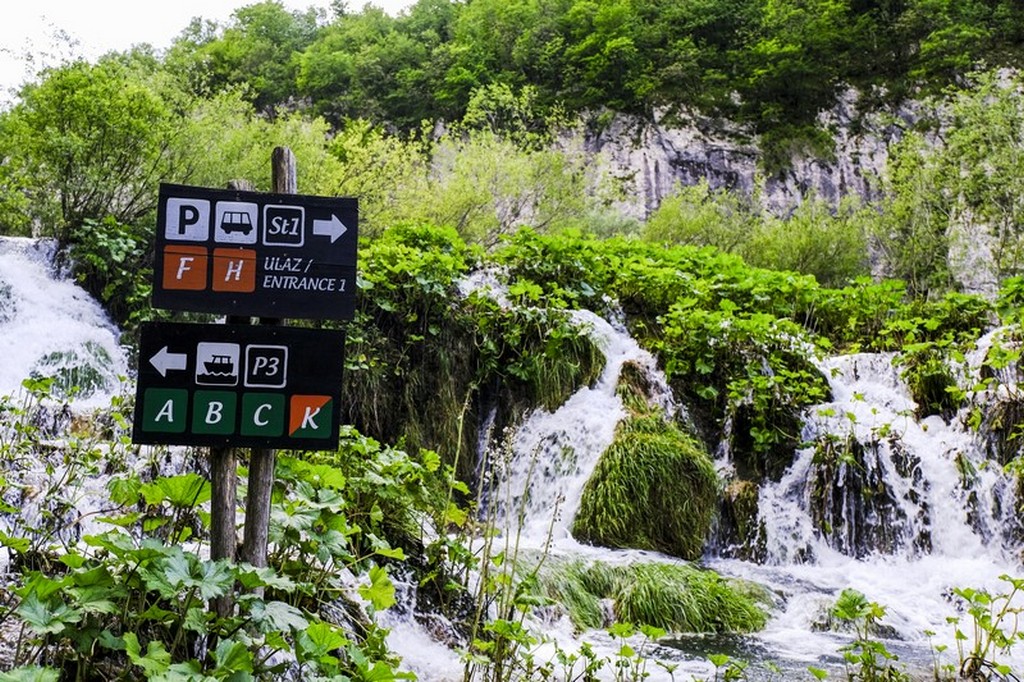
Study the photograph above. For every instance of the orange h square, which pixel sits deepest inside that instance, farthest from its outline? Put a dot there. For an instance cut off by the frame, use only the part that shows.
(234, 270)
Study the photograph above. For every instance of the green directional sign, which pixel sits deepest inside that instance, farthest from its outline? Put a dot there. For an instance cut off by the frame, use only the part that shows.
(239, 386)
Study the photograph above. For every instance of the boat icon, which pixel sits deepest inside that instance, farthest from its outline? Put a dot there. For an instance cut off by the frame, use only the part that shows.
(220, 364)
(217, 364)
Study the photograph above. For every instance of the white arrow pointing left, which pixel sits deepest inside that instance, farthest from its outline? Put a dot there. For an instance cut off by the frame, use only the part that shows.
(332, 228)
(164, 361)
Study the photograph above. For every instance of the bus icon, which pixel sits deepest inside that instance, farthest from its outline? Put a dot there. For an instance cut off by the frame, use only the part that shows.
(236, 222)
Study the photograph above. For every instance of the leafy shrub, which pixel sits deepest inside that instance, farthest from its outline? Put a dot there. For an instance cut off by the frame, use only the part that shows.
(112, 261)
(832, 247)
(700, 216)
(926, 367)
(749, 375)
(866, 658)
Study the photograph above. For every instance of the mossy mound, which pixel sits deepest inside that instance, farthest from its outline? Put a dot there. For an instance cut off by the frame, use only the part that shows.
(654, 488)
(674, 597)
(740, 531)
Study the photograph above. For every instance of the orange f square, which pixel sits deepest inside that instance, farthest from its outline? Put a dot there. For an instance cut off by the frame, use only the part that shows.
(234, 270)
(185, 267)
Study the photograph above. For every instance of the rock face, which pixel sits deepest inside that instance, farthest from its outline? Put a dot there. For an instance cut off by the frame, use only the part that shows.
(653, 157)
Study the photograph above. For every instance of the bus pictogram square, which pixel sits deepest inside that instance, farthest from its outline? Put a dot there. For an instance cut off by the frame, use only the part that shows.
(236, 222)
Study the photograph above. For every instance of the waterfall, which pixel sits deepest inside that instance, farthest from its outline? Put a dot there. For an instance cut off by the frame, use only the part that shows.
(49, 327)
(899, 508)
(876, 481)
(544, 469)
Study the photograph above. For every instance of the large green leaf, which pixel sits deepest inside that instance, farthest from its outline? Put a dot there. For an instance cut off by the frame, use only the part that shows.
(46, 618)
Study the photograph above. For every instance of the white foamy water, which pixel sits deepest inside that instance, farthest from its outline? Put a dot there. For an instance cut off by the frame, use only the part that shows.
(925, 529)
(51, 327)
(942, 530)
(554, 453)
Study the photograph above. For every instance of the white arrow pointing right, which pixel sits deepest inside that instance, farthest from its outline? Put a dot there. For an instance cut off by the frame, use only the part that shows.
(164, 361)
(332, 228)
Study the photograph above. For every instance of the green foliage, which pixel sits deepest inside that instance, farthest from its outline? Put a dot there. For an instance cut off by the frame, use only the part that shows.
(932, 382)
(774, 66)
(786, 60)
(699, 216)
(994, 629)
(653, 488)
(416, 340)
(813, 240)
(866, 657)
(87, 141)
(673, 597)
(256, 50)
(382, 170)
(369, 65)
(955, 200)
(129, 602)
(112, 259)
(751, 371)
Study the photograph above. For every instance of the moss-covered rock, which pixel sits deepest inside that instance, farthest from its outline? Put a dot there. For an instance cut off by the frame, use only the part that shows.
(741, 533)
(674, 597)
(654, 488)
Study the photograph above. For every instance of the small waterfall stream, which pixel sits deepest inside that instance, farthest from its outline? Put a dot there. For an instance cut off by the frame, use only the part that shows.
(554, 453)
(51, 327)
(904, 512)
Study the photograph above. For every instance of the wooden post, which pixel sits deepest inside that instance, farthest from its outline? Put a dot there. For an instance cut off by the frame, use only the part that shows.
(224, 489)
(262, 461)
(224, 492)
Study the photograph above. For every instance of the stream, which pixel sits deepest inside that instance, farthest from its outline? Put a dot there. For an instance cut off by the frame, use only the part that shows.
(940, 513)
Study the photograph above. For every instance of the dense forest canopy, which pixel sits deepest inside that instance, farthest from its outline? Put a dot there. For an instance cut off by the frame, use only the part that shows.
(771, 62)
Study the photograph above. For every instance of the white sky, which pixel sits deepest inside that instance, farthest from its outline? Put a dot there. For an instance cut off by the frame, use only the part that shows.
(29, 29)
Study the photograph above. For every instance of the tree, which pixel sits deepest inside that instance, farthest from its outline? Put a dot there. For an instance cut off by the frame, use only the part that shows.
(983, 166)
(914, 219)
(815, 240)
(700, 216)
(258, 50)
(364, 66)
(954, 213)
(90, 141)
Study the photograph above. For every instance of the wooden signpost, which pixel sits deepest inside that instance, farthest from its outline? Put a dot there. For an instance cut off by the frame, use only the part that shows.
(244, 254)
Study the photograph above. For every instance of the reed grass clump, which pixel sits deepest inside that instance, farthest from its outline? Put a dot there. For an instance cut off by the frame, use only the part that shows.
(673, 597)
(654, 488)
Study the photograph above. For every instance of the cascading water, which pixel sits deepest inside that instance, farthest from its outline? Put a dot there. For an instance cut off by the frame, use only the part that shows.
(552, 454)
(901, 509)
(50, 327)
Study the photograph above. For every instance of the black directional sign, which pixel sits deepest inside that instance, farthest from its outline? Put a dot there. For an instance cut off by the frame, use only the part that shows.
(249, 253)
(239, 386)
